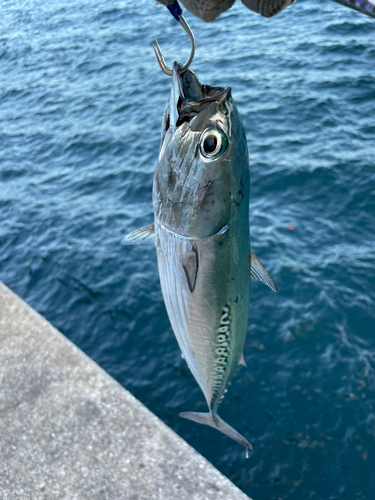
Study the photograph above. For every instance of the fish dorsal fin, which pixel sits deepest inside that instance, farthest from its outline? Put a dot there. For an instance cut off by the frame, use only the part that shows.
(258, 272)
(143, 235)
(242, 361)
(190, 266)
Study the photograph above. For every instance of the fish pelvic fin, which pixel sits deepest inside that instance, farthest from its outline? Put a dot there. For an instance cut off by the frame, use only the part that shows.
(258, 272)
(190, 266)
(143, 235)
(217, 423)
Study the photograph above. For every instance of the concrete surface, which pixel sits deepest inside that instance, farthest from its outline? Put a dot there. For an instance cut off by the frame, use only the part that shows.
(68, 430)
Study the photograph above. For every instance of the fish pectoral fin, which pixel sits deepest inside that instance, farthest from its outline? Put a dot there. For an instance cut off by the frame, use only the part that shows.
(242, 361)
(217, 423)
(144, 235)
(258, 272)
(190, 266)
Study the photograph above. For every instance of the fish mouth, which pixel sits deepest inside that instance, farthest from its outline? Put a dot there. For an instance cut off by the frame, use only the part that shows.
(190, 97)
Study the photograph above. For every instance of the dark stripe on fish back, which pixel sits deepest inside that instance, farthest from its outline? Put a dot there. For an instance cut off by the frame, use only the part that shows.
(221, 351)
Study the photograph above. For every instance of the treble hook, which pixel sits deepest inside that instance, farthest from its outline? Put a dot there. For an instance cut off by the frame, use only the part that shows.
(159, 56)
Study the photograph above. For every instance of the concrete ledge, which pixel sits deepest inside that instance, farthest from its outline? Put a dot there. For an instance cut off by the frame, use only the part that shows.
(68, 430)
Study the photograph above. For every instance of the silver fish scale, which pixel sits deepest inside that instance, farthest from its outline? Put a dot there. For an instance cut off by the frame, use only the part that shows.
(197, 318)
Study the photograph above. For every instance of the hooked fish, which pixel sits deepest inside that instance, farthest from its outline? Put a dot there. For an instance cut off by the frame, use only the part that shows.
(201, 231)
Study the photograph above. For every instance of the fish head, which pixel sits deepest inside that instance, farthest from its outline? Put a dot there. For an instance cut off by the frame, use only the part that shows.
(202, 177)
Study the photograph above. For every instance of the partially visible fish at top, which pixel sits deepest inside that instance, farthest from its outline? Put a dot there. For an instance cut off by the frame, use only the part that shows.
(364, 6)
(202, 236)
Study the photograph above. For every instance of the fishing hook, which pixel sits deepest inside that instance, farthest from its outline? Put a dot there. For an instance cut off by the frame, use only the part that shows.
(159, 56)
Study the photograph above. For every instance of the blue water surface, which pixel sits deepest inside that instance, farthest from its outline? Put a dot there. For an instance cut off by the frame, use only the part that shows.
(81, 101)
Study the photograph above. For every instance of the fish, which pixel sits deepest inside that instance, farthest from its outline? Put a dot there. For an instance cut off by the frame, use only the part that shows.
(209, 10)
(364, 6)
(201, 231)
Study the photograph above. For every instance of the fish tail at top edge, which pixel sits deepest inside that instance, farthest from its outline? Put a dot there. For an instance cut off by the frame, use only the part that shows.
(217, 423)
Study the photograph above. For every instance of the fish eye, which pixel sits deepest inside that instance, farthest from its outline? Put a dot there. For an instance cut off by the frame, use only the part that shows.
(213, 143)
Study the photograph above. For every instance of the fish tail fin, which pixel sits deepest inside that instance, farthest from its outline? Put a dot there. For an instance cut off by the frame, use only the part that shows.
(217, 423)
